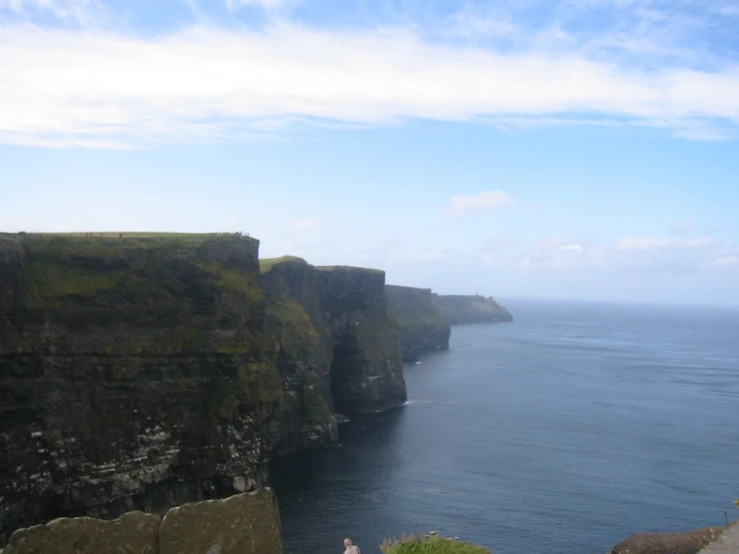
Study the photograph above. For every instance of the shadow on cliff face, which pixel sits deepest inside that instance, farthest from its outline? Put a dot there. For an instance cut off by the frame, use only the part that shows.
(301, 473)
(345, 354)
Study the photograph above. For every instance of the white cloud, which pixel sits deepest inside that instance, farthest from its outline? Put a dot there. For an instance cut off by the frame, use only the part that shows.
(570, 248)
(77, 10)
(484, 201)
(431, 256)
(266, 4)
(725, 262)
(304, 224)
(683, 227)
(645, 244)
(67, 88)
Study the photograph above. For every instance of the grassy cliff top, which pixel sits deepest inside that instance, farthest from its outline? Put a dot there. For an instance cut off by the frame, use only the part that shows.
(349, 268)
(132, 240)
(413, 307)
(266, 264)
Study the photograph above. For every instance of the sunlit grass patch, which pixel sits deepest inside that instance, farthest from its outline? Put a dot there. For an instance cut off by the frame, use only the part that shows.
(430, 545)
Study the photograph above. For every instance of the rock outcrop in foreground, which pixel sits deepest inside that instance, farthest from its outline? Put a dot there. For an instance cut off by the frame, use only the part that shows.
(243, 524)
(460, 309)
(145, 371)
(422, 326)
(688, 542)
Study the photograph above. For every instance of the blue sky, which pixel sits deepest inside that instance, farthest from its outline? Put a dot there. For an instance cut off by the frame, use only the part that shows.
(558, 149)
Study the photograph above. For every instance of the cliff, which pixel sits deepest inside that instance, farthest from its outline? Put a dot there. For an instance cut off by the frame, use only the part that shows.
(143, 371)
(135, 373)
(340, 347)
(422, 326)
(459, 309)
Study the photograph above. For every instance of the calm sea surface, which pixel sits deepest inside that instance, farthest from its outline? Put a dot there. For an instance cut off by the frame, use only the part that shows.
(563, 432)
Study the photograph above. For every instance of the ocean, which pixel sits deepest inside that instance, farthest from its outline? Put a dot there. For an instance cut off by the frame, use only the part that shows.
(561, 433)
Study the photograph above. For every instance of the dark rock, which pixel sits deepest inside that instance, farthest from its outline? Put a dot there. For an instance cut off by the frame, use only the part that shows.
(339, 345)
(134, 374)
(689, 542)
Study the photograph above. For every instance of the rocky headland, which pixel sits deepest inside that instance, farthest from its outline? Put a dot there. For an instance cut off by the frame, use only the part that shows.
(462, 309)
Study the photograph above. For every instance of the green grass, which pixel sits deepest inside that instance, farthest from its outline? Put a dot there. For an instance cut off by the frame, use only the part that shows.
(430, 545)
(127, 235)
(267, 264)
(292, 316)
(348, 268)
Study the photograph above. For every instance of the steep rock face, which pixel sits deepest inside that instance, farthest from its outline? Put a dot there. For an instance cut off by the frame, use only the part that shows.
(367, 364)
(134, 373)
(458, 309)
(339, 345)
(422, 326)
(294, 317)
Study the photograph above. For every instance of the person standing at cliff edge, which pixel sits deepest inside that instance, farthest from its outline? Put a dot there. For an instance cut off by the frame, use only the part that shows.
(351, 549)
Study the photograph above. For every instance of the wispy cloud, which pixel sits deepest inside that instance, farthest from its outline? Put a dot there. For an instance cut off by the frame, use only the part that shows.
(304, 224)
(266, 4)
(646, 244)
(484, 201)
(94, 87)
(726, 262)
(73, 10)
(646, 255)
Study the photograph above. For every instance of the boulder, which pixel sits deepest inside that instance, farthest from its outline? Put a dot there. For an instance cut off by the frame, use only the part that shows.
(132, 533)
(243, 524)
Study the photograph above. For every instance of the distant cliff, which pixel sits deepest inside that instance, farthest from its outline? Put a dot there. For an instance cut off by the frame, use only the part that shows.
(423, 328)
(459, 309)
(337, 336)
(144, 371)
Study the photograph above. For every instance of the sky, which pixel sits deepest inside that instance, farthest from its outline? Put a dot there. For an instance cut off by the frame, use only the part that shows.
(573, 149)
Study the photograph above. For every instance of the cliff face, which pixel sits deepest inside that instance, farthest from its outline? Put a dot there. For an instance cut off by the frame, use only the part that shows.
(135, 373)
(339, 345)
(367, 366)
(294, 317)
(142, 372)
(422, 326)
(459, 309)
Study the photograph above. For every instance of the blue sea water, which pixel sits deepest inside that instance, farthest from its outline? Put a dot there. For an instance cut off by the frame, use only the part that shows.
(560, 433)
